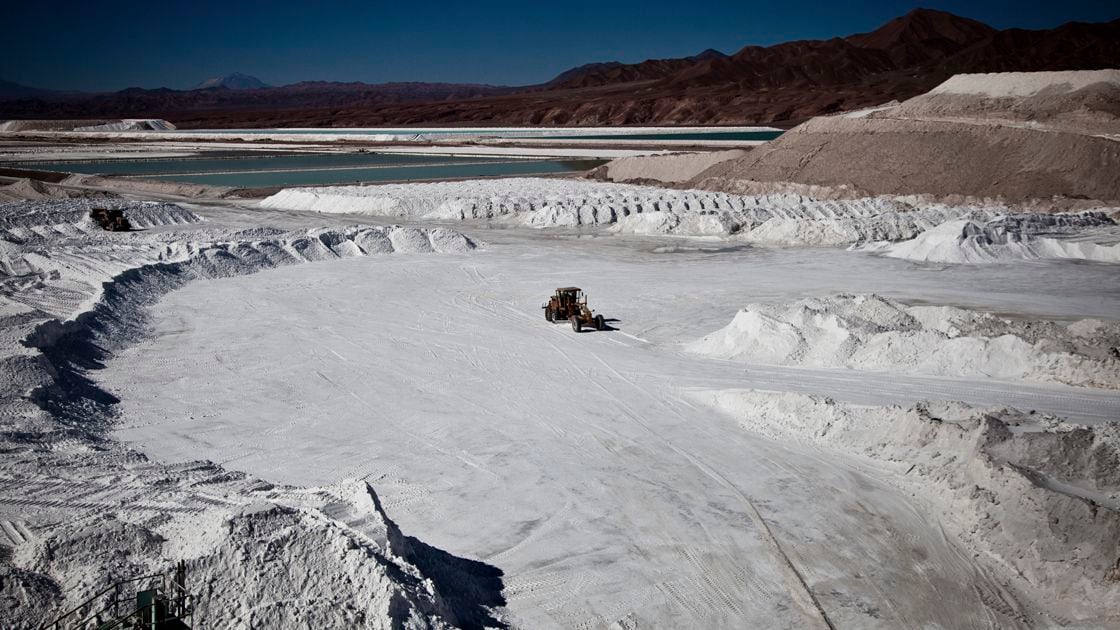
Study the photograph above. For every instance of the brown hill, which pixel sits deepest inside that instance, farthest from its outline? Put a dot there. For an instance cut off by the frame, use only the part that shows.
(781, 84)
(922, 36)
(137, 102)
(1016, 136)
(605, 74)
(1073, 46)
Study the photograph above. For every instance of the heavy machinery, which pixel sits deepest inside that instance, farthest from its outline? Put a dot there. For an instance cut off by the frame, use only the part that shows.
(569, 303)
(111, 219)
(150, 602)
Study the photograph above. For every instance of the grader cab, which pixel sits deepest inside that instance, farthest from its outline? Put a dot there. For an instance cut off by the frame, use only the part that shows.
(111, 219)
(569, 303)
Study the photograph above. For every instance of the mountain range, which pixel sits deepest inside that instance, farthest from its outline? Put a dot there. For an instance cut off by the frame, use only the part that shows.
(780, 84)
(235, 81)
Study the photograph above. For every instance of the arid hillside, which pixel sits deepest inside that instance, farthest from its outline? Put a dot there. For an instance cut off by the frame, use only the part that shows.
(781, 84)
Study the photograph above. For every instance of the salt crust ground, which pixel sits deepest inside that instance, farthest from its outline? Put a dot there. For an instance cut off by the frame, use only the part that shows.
(88, 516)
(776, 219)
(869, 332)
(54, 419)
(506, 406)
(982, 469)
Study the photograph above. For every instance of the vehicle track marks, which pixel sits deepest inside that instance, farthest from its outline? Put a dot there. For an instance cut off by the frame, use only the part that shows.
(16, 531)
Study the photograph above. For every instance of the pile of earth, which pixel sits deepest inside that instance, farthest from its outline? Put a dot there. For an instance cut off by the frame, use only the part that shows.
(1013, 136)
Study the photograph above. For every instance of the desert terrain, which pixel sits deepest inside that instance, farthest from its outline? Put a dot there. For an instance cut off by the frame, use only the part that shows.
(783, 84)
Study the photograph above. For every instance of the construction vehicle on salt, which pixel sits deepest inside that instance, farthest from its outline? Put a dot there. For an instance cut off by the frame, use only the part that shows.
(569, 303)
(111, 219)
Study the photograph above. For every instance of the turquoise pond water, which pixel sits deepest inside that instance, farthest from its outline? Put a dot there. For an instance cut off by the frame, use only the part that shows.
(637, 134)
(699, 135)
(312, 169)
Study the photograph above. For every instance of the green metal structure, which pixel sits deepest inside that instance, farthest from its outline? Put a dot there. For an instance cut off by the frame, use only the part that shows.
(150, 602)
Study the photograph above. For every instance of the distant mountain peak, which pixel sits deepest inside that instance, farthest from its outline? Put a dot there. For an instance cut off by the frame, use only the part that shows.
(923, 25)
(235, 81)
(710, 53)
(579, 71)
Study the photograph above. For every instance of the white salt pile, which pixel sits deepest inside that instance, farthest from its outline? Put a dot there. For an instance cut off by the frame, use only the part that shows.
(1023, 237)
(996, 477)
(92, 511)
(130, 124)
(49, 218)
(775, 219)
(928, 232)
(869, 332)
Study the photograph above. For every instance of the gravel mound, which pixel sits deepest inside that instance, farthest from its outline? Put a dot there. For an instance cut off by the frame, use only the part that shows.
(869, 332)
(900, 157)
(1036, 494)
(24, 189)
(1085, 101)
(1025, 84)
(666, 169)
(129, 186)
(1015, 136)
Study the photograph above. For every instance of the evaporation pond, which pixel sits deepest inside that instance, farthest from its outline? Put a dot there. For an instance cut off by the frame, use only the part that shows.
(316, 168)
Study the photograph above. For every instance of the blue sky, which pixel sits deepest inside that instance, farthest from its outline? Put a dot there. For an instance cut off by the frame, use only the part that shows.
(114, 45)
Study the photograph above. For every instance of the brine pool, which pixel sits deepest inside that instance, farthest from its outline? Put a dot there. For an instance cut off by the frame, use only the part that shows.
(257, 171)
(615, 134)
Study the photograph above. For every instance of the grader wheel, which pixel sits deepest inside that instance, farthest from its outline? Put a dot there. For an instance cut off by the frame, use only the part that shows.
(576, 324)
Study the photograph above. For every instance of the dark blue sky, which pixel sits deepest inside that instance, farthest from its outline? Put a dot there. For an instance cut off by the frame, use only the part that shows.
(112, 45)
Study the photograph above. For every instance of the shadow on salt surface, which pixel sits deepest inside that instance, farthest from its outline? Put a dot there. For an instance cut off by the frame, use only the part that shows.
(471, 589)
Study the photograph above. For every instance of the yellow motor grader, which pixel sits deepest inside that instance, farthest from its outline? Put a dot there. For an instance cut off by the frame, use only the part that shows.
(569, 303)
(111, 219)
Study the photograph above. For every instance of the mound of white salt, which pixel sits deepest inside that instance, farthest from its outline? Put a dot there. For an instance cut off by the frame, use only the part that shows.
(770, 219)
(873, 333)
(1025, 237)
(260, 556)
(130, 124)
(1023, 488)
(313, 567)
(48, 218)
